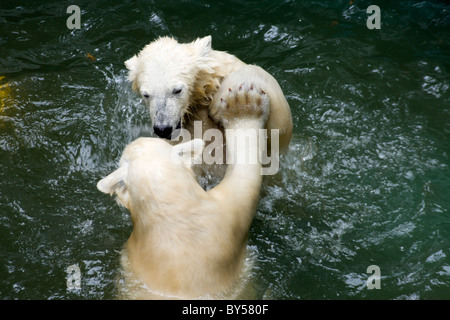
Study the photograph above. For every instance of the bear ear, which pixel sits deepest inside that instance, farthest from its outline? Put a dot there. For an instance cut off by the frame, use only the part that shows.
(114, 183)
(188, 152)
(131, 63)
(132, 66)
(204, 44)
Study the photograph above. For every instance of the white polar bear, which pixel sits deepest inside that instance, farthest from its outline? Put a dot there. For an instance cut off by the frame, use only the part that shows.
(179, 81)
(187, 242)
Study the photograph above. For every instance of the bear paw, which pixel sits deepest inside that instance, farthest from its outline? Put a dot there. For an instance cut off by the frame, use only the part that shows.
(241, 103)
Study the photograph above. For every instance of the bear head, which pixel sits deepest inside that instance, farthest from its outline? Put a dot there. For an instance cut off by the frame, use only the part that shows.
(165, 74)
(149, 173)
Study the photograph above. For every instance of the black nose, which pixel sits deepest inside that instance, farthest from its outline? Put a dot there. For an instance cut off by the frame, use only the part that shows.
(163, 131)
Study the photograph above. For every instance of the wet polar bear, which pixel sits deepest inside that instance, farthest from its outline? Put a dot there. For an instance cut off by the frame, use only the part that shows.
(179, 82)
(186, 242)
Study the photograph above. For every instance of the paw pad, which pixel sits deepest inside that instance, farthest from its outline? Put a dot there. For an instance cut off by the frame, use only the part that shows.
(245, 101)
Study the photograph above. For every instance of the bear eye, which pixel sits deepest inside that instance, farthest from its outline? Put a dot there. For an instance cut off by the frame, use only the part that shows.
(145, 95)
(177, 90)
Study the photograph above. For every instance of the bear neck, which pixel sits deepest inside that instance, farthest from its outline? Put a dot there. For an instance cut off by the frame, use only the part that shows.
(211, 71)
(175, 207)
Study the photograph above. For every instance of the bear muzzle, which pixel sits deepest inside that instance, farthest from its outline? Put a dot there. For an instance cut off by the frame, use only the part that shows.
(165, 131)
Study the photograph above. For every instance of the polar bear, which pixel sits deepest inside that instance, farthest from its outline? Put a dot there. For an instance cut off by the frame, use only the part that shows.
(179, 81)
(186, 242)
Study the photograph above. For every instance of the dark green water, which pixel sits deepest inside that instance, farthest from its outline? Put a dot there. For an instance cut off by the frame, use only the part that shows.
(366, 181)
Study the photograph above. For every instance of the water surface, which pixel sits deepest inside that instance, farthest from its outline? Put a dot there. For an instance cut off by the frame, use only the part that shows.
(366, 181)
